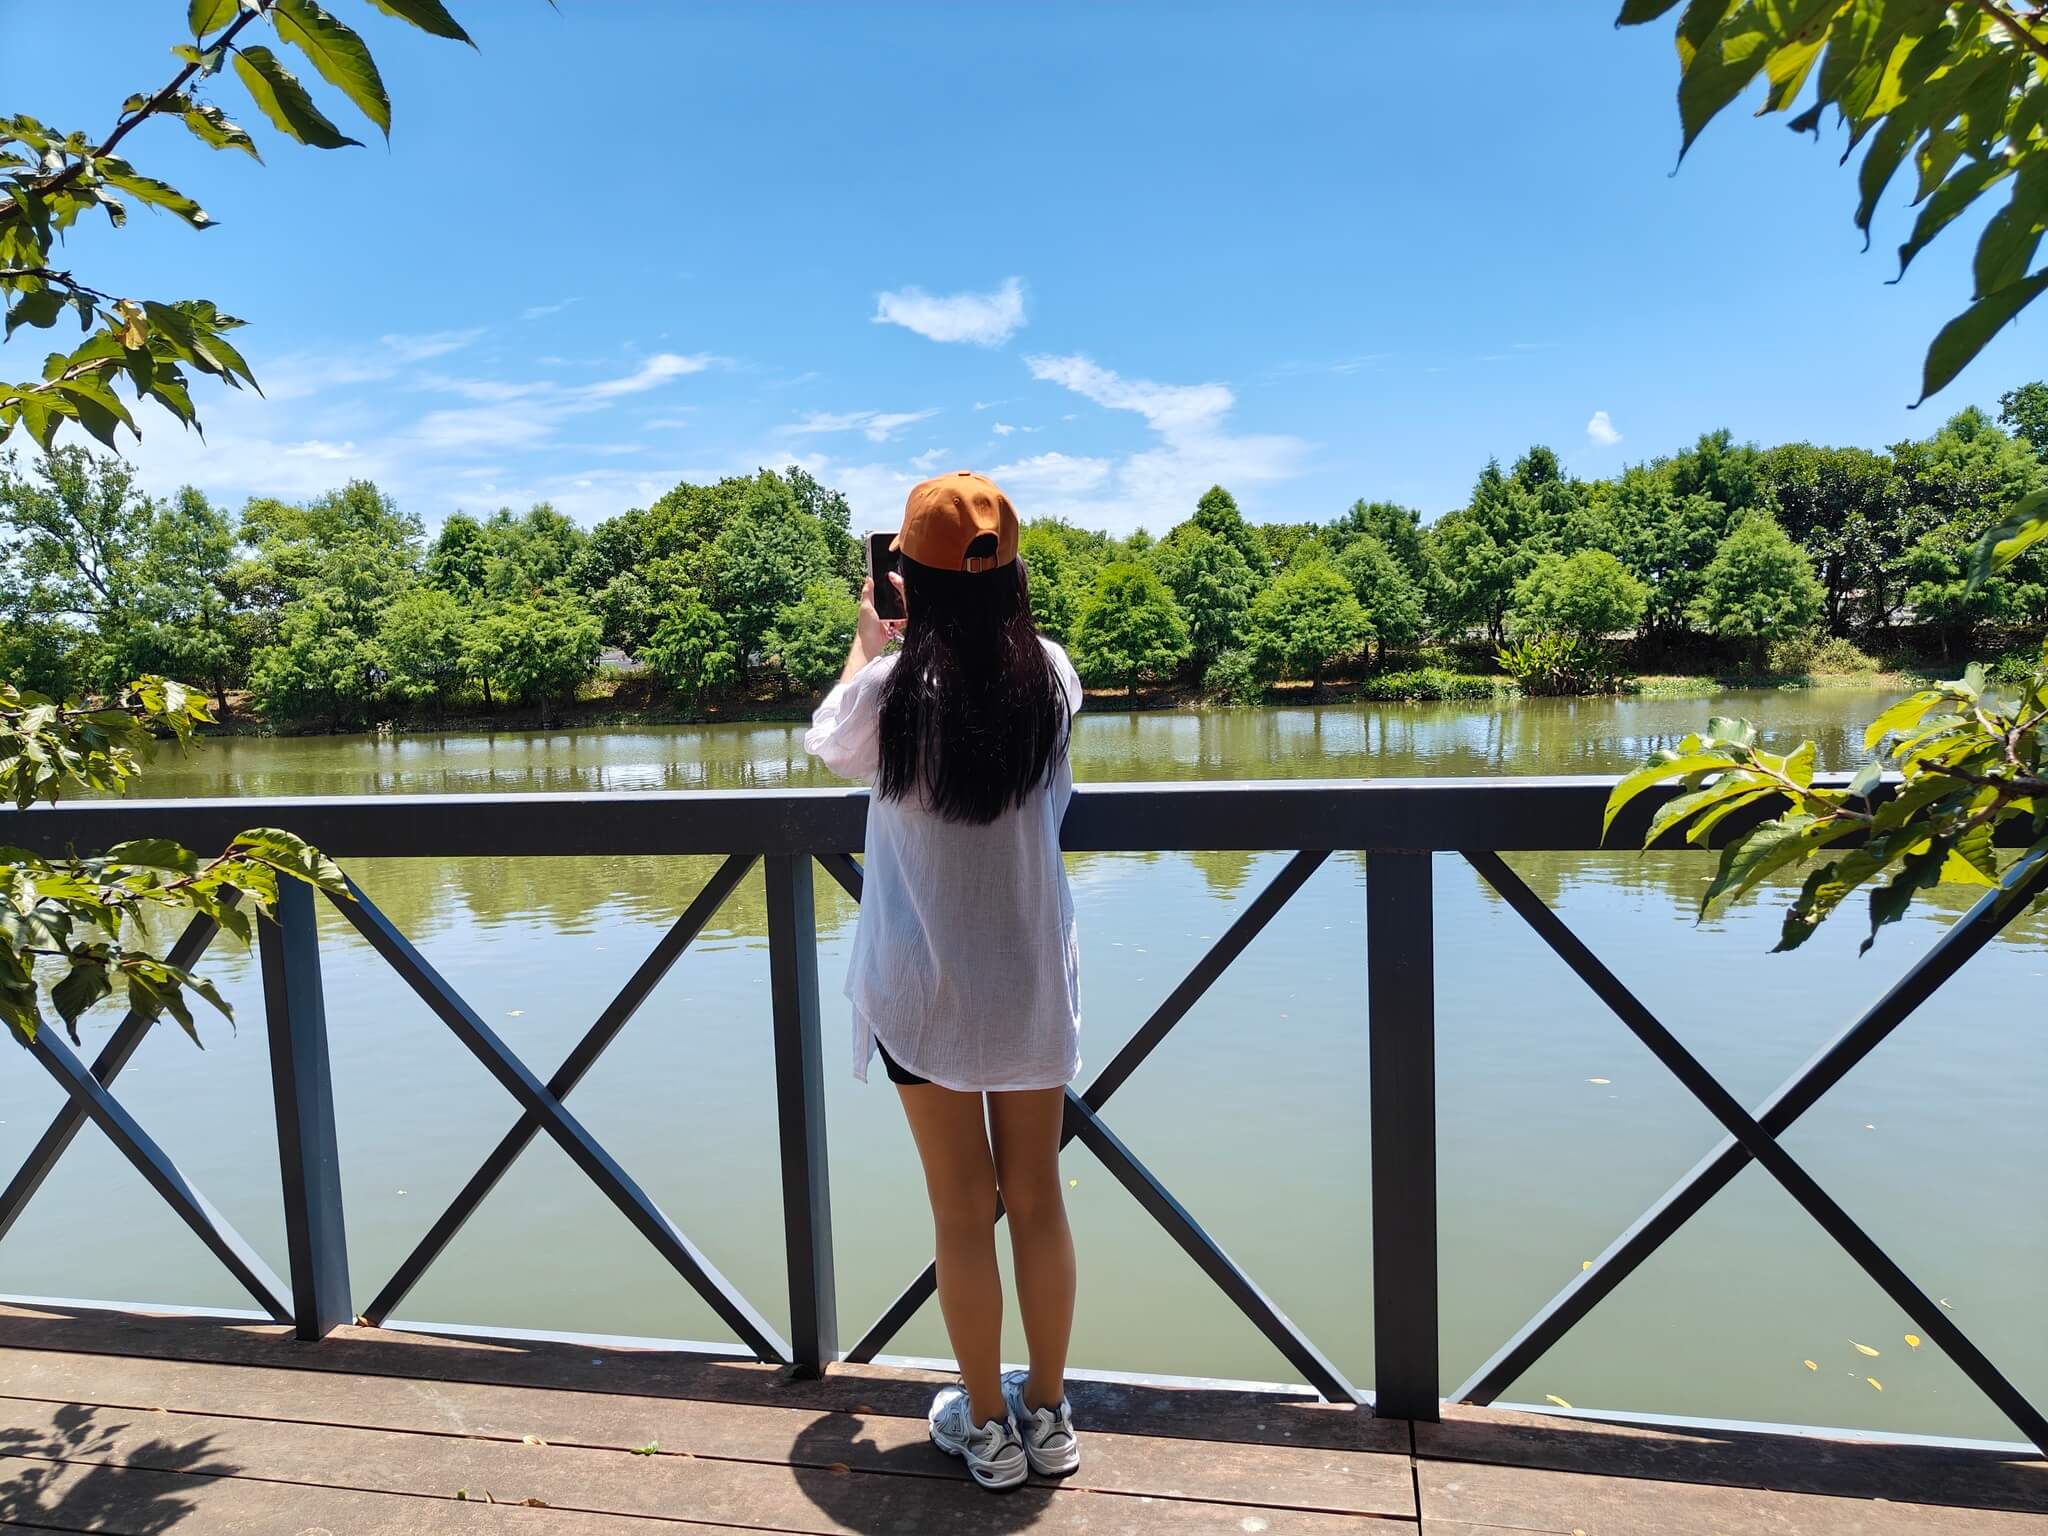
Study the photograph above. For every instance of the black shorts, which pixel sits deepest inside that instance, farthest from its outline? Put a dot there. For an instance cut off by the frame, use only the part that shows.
(899, 1073)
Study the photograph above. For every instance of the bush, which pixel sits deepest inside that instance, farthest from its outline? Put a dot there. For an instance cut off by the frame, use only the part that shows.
(1815, 653)
(1234, 677)
(1556, 665)
(2016, 668)
(1427, 684)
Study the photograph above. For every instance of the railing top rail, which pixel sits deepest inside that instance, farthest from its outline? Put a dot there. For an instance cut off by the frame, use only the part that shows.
(1559, 814)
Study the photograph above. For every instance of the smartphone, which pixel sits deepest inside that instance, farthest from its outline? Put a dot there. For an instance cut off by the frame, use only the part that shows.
(882, 561)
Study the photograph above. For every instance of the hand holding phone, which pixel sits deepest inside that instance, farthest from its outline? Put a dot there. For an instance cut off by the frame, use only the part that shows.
(882, 566)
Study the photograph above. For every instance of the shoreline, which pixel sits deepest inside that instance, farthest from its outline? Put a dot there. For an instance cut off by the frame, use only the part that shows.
(1475, 691)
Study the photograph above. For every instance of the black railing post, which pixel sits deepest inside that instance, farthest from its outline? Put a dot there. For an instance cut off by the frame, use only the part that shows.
(800, 1112)
(302, 1085)
(1401, 1001)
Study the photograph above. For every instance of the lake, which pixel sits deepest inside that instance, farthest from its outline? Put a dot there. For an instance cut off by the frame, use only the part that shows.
(1556, 1128)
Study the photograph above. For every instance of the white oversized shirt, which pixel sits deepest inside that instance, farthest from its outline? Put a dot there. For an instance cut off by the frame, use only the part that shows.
(965, 962)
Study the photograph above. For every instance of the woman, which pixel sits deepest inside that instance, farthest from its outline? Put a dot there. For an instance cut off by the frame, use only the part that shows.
(965, 974)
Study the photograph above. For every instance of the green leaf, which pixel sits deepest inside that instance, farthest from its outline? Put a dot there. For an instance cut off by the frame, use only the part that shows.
(291, 855)
(1948, 203)
(432, 16)
(82, 986)
(276, 90)
(39, 309)
(211, 126)
(340, 56)
(1887, 148)
(1965, 336)
(2025, 526)
(157, 194)
(1900, 717)
(1657, 773)
(2011, 236)
(155, 853)
(210, 15)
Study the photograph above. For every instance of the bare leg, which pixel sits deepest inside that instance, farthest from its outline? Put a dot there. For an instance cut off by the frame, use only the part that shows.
(1026, 1128)
(952, 1142)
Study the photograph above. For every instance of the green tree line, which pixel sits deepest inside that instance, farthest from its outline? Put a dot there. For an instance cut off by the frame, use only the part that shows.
(339, 611)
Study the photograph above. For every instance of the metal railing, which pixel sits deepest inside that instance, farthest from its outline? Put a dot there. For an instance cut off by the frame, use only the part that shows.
(1397, 824)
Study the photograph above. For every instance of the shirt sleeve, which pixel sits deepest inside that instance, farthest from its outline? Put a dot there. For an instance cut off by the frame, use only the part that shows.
(846, 728)
(1070, 680)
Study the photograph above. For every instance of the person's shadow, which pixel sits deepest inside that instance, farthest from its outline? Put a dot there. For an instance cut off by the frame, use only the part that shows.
(62, 1475)
(908, 1488)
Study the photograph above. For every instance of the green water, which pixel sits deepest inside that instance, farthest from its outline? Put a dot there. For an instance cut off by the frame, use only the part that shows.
(1555, 1129)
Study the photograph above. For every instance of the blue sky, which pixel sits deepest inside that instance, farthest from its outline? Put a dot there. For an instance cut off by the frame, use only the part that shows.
(1109, 254)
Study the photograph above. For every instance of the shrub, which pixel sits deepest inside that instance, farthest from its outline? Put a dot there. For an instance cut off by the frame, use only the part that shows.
(1588, 594)
(1234, 676)
(1426, 684)
(1815, 653)
(1554, 665)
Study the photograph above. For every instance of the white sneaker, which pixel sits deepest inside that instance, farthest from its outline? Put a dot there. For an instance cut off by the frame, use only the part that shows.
(994, 1454)
(1050, 1443)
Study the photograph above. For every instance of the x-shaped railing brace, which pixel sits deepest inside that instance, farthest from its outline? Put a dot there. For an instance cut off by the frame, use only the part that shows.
(88, 1097)
(1755, 1138)
(1083, 1121)
(543, 1108)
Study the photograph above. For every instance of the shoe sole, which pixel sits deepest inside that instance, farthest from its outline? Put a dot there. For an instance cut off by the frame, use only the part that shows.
(997, 1477)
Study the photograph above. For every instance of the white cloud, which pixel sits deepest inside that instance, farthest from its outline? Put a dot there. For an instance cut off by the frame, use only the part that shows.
(1057, 473)
(658, 369)
(929, 460)
(541, 311)
(1601, 430)
(1003, 429)
(1167, 408)
(986, 319)
(314, 448)
(988, 405)
(1159, 486)
(875, 426)
(419, 347)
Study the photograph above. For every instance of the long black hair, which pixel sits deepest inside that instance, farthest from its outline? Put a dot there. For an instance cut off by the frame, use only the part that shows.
(973, 717)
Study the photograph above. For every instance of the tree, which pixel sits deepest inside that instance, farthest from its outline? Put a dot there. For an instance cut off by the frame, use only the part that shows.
(529, 555)
(1666, 540)
(2024, 411)
(1589, 595)
(692, 650)
(1052, 576)
(811, 635)
(1211, 586)
(537, 650)
(763, 560)
(834, 516)
(1216, 514)
(1306, 619)
(455, 560)
(1128, 628)
(1957, 90)
(422, 632)
(1390, 596)
(1759, 588)
(1845, 507)
(320, 665)
(52, 177)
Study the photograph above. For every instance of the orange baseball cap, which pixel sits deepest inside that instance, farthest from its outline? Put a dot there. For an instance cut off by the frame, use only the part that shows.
(958, 522)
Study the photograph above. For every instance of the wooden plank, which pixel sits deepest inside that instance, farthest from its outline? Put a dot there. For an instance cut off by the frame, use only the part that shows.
(124, 1501)
(835, 1502)
(1789, 1463)
(1222, 1414)
(1528, 1499)
(1353, 1482)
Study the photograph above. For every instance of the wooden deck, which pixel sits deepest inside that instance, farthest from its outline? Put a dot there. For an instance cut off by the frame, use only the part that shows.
(116, 1422)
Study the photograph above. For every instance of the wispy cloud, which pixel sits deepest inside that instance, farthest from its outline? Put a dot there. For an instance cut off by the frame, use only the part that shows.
(875, 426)
(418, 347)
(542, 311)
(658, 369)
(1601, 430)
(1057, 473)
(1005, 428)
(985, 319)
(1159, 485)
(929, 460)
